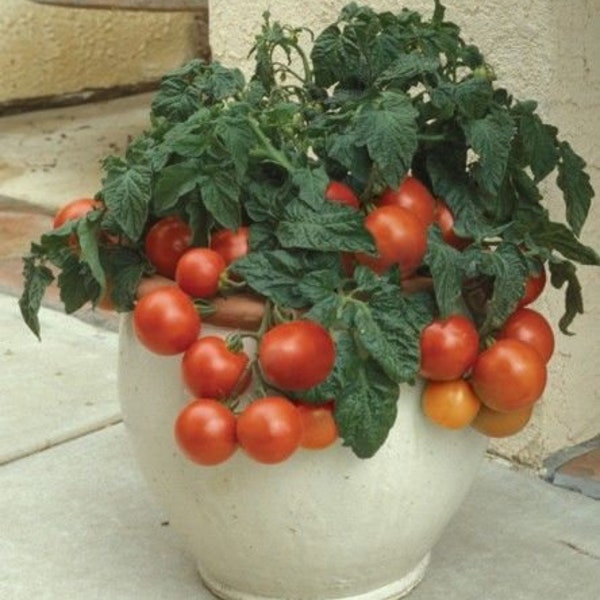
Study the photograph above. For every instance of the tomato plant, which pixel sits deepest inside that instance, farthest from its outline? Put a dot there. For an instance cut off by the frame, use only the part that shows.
(166, 321)
(529, 326)
(296, 356)
(400, 238)
(165, 243)
(230, 244)
(198, 272)
(319, 429)
(509, 376)
(205, 431)
(448, 347)
(340, 192)
(211, 369)
(502, 424)
(450, 404)
(269, 429)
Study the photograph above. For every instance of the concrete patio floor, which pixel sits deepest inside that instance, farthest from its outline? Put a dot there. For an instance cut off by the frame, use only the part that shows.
(79, 521)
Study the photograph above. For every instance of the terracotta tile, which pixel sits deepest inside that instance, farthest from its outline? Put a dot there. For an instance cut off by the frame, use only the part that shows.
(586, 466)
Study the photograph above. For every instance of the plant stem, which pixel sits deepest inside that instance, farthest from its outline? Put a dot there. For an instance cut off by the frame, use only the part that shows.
(273, 153)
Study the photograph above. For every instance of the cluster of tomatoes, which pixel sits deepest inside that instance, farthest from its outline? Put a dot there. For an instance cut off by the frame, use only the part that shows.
(493, 390)
(291, 357)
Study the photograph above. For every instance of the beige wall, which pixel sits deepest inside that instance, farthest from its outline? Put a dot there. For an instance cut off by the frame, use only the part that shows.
(48, 50)
(548, 50)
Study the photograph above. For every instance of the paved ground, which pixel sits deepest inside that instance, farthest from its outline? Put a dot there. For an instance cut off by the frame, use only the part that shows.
(78, 520)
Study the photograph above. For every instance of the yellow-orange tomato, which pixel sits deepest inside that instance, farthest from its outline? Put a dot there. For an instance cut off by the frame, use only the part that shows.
(451, 404)
(501, 424)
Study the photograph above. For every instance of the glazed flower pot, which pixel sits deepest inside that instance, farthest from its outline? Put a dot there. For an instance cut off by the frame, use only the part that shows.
(323, 524)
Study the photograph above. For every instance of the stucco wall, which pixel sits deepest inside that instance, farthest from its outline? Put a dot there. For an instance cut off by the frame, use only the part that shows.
(48, 50)
(548, 50)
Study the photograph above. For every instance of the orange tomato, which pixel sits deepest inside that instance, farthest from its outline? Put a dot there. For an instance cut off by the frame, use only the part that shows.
(450, 404)
(501, 424)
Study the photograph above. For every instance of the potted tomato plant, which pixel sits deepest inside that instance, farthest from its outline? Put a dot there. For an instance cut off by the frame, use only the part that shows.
(325, 275)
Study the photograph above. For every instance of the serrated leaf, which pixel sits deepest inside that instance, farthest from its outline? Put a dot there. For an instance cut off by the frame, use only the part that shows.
(275, 273)
(491, 139)
(77, 285)
(576, 187)
(565, 272)
(445, 264)
(126, 192)
(37, 278)
(87, 234)
(311, 184)
(388, 129)
(221, 197)
(334, 228)
(473, 96)
(239, 139)
(557, 236)
(539, 144)
(173, 182)
(404, 68)
(335, 57)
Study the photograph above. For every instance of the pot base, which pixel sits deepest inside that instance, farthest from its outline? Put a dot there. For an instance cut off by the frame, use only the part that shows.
(391, 591)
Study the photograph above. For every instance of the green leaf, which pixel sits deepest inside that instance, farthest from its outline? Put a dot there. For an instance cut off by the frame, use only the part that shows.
(77, 285)
(565, 272)
(88, 230)
(473, 97)
(491, 139)
(221, 196)
(37, 278)
(335, 227)
(446, 266)
(557, 236)
(126, 192)
(366, 407)
(276, 273)
(335, 57)
(365, 398)
(509, 269)
(311, 184)
(388, 129)
(576, 187)
(173, 182)
(539, 144)
(124, 268)
(239, 140)
(405, 68)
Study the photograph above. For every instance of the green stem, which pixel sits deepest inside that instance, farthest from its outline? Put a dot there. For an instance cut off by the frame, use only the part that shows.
(271, 152)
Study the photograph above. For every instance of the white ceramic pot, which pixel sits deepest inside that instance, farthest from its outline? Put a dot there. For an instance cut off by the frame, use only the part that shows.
(323, 524)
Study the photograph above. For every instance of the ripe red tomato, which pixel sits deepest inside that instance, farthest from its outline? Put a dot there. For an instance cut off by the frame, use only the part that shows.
(509, 376)
(414, 197)
(165, 243)
(166, 321)
(74, 210)
(211, 370)
(319, 429)
(449, 348)
(340, 192)
(450, 404)
(534, 286)
(400, 238)
(269, 430)
(297, 355)
(199, 271)
(230, 244)
(445, 220)
(205, 431)
(529, 326)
